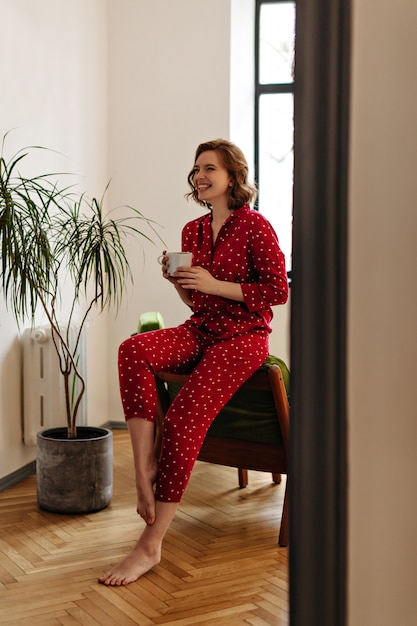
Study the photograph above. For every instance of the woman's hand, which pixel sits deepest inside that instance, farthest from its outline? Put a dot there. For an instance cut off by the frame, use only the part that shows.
(183, 293)
(197, 278)
(164, 263)
(201, 280)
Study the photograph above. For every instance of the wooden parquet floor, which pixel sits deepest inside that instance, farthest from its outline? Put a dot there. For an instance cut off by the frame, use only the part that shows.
(221, 564)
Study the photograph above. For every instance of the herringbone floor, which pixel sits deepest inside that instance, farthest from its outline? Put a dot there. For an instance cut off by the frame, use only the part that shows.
(221, 564)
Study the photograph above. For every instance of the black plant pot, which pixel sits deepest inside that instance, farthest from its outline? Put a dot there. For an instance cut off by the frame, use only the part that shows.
(74, 475)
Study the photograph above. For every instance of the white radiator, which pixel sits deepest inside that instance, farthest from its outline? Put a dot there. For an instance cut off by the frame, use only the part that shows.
(43, 383)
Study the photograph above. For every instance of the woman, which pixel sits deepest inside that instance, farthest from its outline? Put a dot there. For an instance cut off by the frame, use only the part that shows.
(238, 274)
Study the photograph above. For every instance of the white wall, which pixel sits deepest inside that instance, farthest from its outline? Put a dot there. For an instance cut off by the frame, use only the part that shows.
(169, 91)
(382, 339)
(53, 73)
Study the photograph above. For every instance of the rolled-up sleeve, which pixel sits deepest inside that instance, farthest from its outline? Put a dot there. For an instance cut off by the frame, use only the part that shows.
(271, 286)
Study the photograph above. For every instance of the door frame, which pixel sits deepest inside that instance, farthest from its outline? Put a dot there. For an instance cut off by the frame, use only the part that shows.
(318, 441)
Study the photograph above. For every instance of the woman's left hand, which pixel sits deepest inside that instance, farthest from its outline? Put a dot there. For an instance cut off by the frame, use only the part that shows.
(197, 278)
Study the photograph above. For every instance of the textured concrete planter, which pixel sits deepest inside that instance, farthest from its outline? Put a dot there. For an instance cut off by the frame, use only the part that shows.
(74, 475)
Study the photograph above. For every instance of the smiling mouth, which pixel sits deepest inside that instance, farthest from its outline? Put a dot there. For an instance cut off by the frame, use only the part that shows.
(203, 187)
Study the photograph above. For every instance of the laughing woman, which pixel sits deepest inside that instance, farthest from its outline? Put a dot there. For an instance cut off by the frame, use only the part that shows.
(238, 274)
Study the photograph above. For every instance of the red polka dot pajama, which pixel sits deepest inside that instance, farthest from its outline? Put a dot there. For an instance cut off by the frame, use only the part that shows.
(222, 343)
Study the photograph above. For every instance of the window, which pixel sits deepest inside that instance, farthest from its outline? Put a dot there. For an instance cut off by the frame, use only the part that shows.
(274, 96)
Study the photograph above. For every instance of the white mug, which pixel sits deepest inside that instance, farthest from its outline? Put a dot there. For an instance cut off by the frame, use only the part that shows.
(177, 259)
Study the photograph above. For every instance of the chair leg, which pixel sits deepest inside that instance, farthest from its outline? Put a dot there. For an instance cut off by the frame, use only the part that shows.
(243, 477)
(276, 478)
(283, 539)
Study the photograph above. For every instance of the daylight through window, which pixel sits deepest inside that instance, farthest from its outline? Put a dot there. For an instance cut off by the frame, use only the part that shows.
(274, 104)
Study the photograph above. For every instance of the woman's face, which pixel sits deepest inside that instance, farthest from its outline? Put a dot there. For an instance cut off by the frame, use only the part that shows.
(211, 179)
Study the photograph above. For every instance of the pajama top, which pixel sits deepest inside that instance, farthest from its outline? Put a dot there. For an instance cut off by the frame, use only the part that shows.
(246, 252)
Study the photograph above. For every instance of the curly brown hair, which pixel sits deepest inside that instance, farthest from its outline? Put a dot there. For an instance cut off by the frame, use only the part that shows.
(232, 158)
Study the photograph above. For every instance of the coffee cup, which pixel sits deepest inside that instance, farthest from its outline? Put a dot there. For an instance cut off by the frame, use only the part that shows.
(176, 260)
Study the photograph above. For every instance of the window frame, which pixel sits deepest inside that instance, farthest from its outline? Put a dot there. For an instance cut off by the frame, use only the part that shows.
(264, 88)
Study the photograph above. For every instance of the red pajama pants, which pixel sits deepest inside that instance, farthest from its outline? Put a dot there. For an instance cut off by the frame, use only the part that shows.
(218, 368)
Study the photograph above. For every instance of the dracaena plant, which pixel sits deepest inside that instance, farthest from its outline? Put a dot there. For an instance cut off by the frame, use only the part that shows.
(51, 235)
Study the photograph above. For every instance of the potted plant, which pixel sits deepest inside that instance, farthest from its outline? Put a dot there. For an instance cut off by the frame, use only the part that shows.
(50, 236)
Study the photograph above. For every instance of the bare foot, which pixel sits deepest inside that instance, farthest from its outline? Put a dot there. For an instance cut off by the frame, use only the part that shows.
(145, 493)
(132, 567)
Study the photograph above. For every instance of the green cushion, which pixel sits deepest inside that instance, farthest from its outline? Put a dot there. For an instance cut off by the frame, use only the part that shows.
(250, 415)
(151, 320)
(274, 360)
